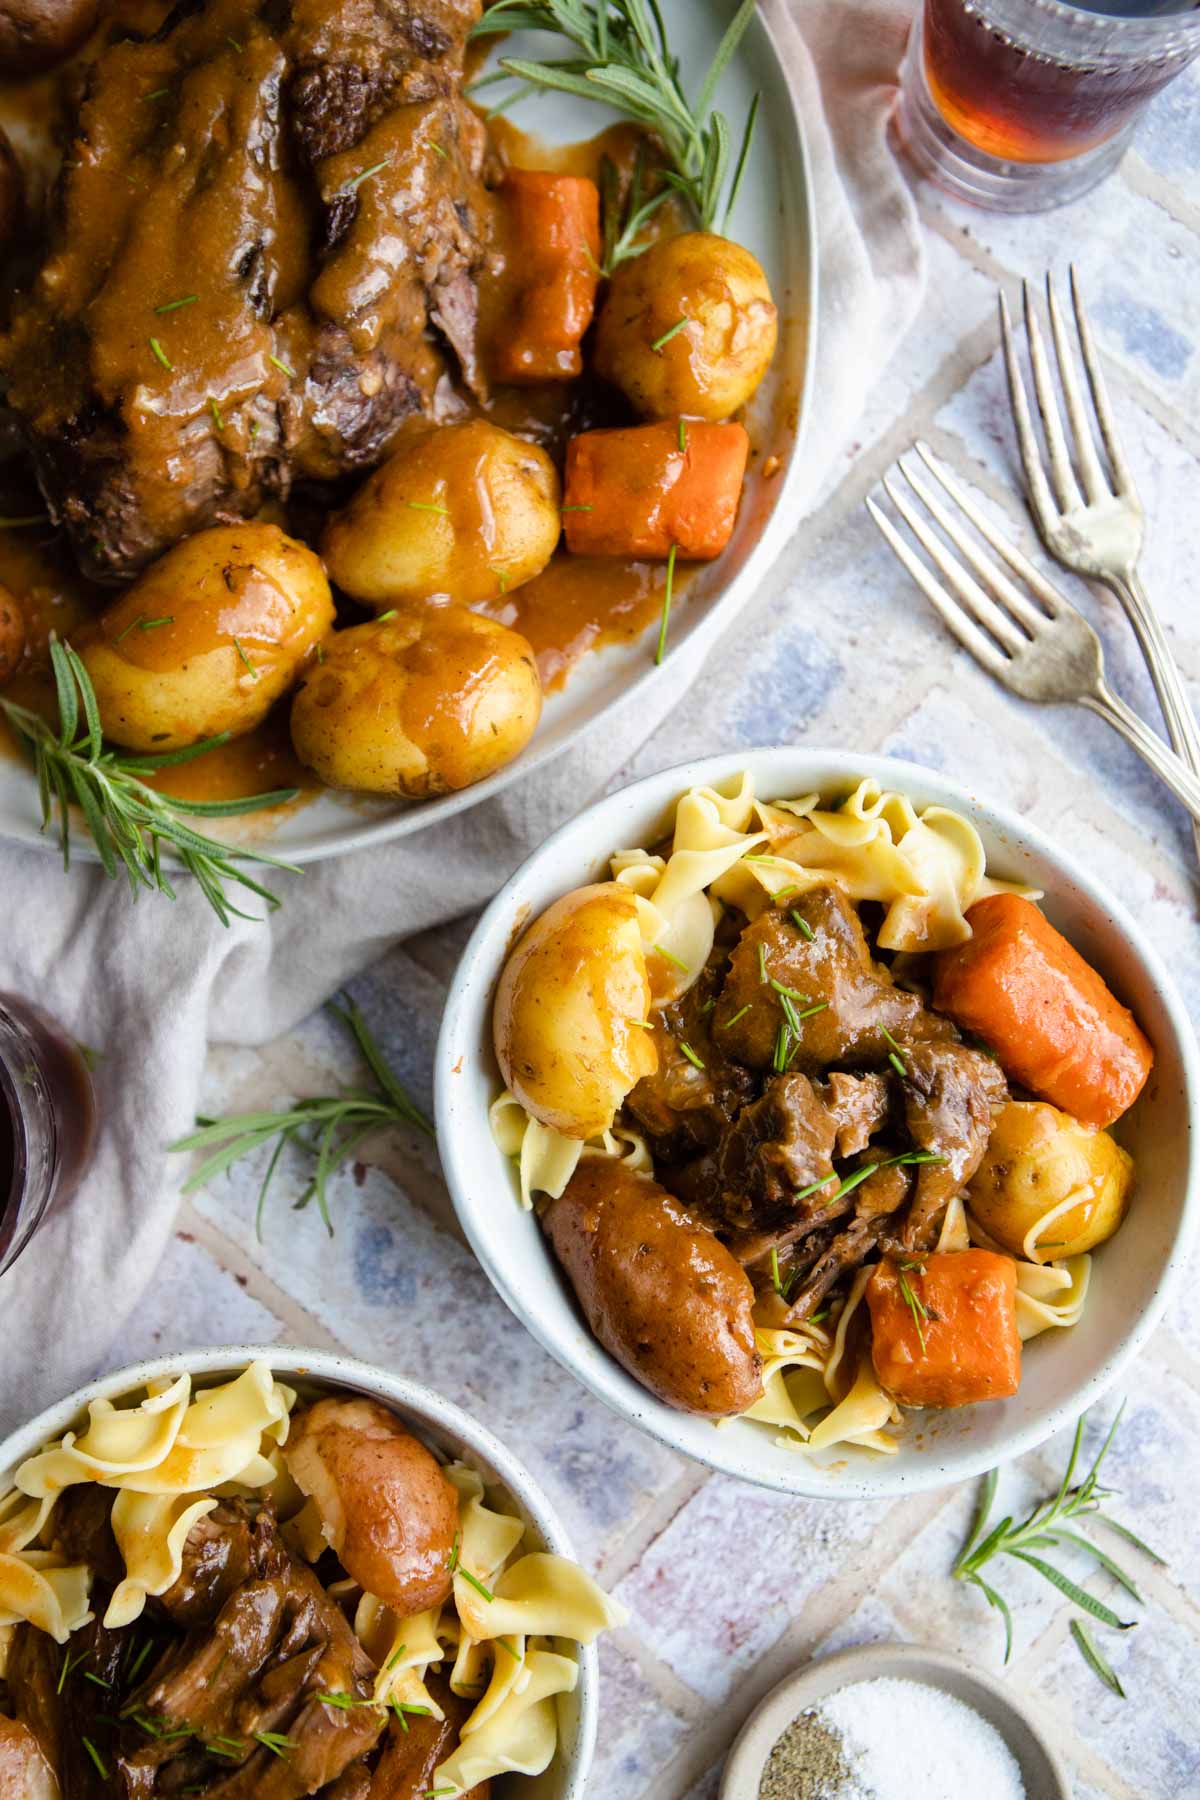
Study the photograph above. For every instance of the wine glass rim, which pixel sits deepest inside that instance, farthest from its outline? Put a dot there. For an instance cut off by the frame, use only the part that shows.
(1124, 31)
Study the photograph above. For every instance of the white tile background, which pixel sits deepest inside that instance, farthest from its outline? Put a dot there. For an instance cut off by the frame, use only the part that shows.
(728, 1586)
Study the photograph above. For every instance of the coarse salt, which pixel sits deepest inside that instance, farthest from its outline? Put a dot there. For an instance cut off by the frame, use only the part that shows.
(904, 1740)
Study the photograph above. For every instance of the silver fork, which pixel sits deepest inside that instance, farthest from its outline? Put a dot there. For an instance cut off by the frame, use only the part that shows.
(1096, 531)
(1044, 652)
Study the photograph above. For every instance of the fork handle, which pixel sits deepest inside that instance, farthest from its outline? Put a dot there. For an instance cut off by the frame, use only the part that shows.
(1171, 770)
(1178, 716)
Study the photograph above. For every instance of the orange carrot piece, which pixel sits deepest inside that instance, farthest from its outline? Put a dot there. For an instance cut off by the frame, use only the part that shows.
(635, 492)
(944, 1328)
(550, 230)
(1021, 987)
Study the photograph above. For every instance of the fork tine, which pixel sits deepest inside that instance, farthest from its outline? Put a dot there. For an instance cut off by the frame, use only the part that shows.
(1123, 480)
(952, 615)
(1069, 496)
(1094, 484)
(1005, 591)
(1040, 497)
(1049, 596)
(992, 617)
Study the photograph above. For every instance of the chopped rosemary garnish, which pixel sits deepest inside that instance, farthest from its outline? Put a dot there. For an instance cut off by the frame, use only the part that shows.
(802, 926)
(915, 1305)
(358, 180)
(389, 614)
(161, 354)
(784, 1048)
(668, 595)
(510, 1648)
(691, 1055)
(789, 993)
(275, 1742)
(643, 1024)
(1051, 1525)
(18, 524)
(282, 367)
(565, 509)
(452, 1559)
(394, 1658)
(474, 1581)
(622, 223)
(139, 1659)
(501, 579)
(129, 821)
(776, 1283)
(217, 416)
(683, 441)
(814, 1186)
(170, 306)
(763, 977)
(740, 1014)
(237, 644)
(672, 331)
(224, 1746)
(97, 1759)
(624, 59)
(98, 1680)
(894, 1056)
(158, 94)
(343, 1701)
(68, 1663)
(427, 506)
(661, 950)
(338, 1124)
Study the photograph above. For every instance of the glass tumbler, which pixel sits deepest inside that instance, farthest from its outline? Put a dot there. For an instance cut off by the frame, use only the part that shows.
(1020, 105)
(47, 1120)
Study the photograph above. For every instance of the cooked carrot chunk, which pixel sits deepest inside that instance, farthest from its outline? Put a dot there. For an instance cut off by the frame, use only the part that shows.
(944, 1329)
(636, 492)
(1017, 984)
(550, 232)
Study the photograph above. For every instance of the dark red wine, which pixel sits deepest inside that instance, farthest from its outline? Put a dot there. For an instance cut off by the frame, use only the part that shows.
(47, 1120)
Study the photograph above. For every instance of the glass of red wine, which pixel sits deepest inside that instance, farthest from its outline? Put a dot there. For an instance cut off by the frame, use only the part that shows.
(1020, 105)
(47, 1120)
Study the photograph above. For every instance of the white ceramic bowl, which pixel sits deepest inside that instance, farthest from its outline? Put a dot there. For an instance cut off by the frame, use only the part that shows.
(443, 1426)
(1064, 1372)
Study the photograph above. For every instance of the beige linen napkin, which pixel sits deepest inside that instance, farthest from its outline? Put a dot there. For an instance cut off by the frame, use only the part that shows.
(151, 985)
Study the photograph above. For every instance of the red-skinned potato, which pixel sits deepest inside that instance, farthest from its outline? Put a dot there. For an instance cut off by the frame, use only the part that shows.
(386, 1507)
(566, 1024)
(660, 1292)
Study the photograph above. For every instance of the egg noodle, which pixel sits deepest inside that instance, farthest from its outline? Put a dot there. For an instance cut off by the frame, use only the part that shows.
(509, 1629)
(926, 867)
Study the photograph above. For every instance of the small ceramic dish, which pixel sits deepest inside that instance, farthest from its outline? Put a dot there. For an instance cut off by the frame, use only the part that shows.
(1042, 1772)
(1132, 1279)
(447, 1430)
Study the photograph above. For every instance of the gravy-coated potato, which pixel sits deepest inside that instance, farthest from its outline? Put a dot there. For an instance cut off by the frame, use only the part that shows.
(208, 638)
(468, 511)
(12, 634)
(660, 1292)
(35, 34)
(386, 1507)
(566, 1022)
(711, 365)
(424, 702)
(1036, 1159)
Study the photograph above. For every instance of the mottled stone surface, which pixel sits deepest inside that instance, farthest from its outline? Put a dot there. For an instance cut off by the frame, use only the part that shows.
(729, 1587)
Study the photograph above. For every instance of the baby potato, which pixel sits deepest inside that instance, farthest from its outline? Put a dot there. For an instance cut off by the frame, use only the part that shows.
(1037, 1159)
(386, 1508)
(467, 511)
(713, 362)
(425, 701)
(566, 1021)
(208, 638)
(661, 1293)
(35, 34)
(12, 634)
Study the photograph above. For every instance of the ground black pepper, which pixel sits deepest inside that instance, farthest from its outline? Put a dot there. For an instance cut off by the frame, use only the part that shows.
(806, 1763)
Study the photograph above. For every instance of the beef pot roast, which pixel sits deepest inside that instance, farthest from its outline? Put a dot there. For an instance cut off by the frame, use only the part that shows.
(267, 210)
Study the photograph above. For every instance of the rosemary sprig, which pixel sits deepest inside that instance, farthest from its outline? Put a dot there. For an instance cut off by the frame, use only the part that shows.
(329, 1127)
(624, 223)
(129, 821)
(625, 61)
(1052, 1526)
